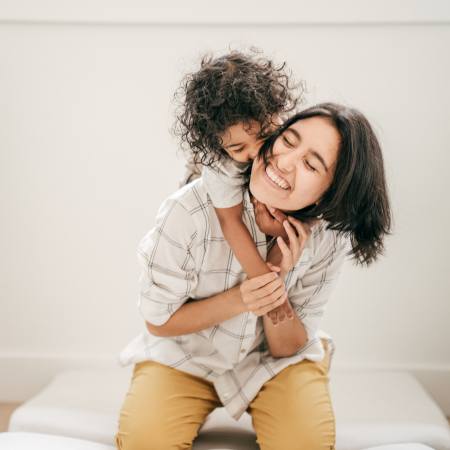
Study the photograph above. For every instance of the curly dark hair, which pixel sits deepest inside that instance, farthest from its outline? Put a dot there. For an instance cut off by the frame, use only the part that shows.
(356, 203)
(227, 90)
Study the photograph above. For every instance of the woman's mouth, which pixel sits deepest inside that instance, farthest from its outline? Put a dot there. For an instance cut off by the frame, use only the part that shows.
(275, 179)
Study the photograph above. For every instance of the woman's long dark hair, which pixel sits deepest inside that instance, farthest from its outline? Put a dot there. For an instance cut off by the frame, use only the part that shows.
(357, 202)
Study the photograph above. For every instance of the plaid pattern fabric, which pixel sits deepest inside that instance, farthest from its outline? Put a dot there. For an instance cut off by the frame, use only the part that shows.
(185, 256)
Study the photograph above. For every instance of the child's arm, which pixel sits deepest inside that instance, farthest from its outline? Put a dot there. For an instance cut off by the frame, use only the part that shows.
(241, 242)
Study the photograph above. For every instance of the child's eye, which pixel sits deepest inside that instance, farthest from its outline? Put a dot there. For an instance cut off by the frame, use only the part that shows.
(239, 150)
(310, 167)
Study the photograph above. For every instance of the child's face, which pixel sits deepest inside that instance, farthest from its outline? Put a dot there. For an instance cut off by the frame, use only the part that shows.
(241, 141)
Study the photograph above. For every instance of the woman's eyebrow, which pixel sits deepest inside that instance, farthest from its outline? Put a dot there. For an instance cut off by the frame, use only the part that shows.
(313, 152)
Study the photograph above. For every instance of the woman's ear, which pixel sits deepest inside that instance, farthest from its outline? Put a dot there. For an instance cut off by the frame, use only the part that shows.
(320, 215)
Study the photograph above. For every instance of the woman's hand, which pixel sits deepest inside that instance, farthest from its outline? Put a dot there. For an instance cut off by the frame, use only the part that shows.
(298, 233)
(269, 222)
(264, 293)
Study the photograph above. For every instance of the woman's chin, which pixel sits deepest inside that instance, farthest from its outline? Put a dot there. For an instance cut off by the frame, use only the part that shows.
(263, 196)
(267, 197)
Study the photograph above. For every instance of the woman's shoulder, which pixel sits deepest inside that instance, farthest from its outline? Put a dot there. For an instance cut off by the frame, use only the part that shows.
(325, 239)
(192, 197)
(187, 208)
(178, 219)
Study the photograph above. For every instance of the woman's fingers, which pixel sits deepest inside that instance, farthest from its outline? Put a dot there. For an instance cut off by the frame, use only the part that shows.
(285, 251)
(266, 290)
(267, 301)
(265, 293)
(277, 214)
(271, 306)
(303, 229)
(264, 297)
(269, 298)
(294, 244)
(262, 280)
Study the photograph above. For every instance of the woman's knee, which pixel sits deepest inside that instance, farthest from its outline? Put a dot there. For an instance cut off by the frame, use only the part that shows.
(163, 409)
(300, 435)
(295, 411)
(321, 436)
(154, 435)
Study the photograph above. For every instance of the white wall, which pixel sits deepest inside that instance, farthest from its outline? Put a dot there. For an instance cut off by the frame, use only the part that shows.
(86, 159)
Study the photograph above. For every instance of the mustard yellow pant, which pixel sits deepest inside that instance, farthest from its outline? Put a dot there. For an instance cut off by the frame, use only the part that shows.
(165, 407)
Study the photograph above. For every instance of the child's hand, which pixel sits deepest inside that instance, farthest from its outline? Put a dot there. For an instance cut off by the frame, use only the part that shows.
(269, 223)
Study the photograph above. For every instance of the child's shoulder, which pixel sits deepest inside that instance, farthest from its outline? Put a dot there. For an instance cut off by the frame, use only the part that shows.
(228, 167)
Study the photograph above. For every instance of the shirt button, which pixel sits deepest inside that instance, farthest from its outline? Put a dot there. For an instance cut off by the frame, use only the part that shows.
(243, 350)
(226, 394)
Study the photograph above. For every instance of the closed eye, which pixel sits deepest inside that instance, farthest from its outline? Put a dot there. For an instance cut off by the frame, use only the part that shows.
(286, 141)
(309, 166)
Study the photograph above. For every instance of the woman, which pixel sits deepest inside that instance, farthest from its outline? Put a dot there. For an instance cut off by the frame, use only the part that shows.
(221, 348)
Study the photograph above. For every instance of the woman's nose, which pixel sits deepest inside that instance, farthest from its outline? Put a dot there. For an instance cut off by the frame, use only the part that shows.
(286, 162)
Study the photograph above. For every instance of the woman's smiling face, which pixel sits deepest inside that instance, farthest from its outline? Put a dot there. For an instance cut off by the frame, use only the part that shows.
(301, 168)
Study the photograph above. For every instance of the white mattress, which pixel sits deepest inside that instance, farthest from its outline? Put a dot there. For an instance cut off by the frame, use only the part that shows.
(371, 408)
(35, 441)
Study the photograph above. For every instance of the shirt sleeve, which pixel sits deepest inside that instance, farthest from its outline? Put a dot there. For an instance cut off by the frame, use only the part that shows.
(192, 171)
(310, 294)
(168, 273)
(224, 183)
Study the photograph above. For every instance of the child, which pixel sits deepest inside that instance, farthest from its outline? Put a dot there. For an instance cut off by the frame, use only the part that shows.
(228, 107)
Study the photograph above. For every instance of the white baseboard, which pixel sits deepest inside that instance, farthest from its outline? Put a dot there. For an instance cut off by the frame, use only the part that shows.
(22, 376)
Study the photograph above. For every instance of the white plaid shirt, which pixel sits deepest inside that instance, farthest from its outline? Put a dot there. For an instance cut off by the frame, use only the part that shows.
(185, 256)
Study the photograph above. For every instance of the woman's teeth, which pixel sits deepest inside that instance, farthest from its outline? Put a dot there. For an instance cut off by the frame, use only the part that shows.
(276, 179)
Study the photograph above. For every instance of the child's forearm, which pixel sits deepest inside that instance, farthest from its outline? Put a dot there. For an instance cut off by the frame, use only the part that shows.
(244, 247)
